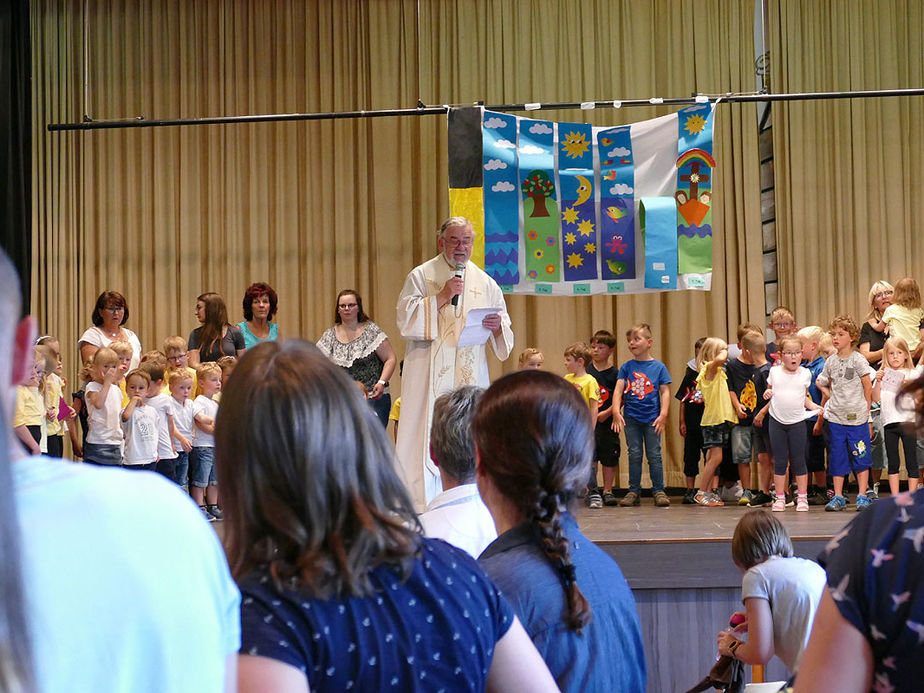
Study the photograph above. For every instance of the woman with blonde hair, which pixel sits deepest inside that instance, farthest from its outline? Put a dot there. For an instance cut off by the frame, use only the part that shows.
(873, 336)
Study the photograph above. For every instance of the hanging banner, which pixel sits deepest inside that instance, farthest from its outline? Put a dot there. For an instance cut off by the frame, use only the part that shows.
(560, 203)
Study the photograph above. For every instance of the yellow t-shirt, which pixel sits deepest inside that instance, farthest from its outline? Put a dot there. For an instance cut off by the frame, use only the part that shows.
(905, 323)
(717, 407)
(53, 394)
(586, 385)
(395, 412)
(30, 407)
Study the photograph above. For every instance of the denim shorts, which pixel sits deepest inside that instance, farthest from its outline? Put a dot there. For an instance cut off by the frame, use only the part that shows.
(745, 439)
(181, 472)
(202, 467)
(715, 436)
(102, 455)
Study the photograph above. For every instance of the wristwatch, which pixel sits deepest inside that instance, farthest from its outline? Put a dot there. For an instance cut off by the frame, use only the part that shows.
(733, 647)
(382, 383)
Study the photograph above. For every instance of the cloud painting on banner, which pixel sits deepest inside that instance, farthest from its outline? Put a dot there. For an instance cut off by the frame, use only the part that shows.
(562, 208)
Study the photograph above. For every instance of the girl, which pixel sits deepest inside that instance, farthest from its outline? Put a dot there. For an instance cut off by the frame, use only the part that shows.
(780, 593)
(531, 358)
(787, 390)
(139, 423)
(718, 413)
(897, 410)
(216, 337)
(58, 411)
(29, 419)
(103, 444)
(905, 315)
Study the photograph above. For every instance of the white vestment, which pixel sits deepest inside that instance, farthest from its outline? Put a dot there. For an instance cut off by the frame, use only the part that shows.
(432, 363)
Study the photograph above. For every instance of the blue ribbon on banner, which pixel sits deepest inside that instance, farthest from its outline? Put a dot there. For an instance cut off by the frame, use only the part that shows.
(658, 217)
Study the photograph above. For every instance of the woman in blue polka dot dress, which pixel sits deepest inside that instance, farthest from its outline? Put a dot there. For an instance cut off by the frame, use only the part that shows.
(339, 589)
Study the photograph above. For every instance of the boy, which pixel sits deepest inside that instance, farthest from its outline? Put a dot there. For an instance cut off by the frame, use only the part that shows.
(175, 353)
(160, 403)
(202, 456)
(183, 411)
(643, 385)
(746, 385)
(815, 449)
(691, 415)
(846, 394)
(576, 357)
(124, 351)
(531, 358)
(607, 442)
(226, 364)
(139, 423)
(783, 324)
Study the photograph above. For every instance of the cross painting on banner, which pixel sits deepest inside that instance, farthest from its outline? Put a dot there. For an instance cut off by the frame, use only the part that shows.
(569, 208)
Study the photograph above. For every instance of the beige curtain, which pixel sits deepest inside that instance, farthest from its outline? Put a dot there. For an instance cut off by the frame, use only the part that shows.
(313, 207)
(848, 172)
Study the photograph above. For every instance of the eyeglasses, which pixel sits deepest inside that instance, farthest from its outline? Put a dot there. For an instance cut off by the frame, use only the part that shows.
(781, 325)
(792, 353)
(177, 357)
(459, 242)
(881, 294)
(347, 306)
(114, 309)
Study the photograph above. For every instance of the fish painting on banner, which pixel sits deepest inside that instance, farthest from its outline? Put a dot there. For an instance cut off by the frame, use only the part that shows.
(570, 208)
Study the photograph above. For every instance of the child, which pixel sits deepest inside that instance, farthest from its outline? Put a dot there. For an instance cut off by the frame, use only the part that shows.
(576, 357)
(826, 346)
(846, 395)
(177, 358)
(691, 414)
(29, 418)
(139, 422)
(898, 410)
(606, 442)
(787, 391)
(227, 364)
(905, 315)
(57, 410)
(811, 338)
(125, 354)
(643, 386)
(79, 399)
(161, 404)
(718, 413)
(746, 389)
(202, 456)
(531, 358)
(103, 443)
(783, 324)
(780, 593)
(183, 410)
(395, 413)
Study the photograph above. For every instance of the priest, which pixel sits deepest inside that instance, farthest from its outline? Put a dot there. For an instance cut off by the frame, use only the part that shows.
(432, 309)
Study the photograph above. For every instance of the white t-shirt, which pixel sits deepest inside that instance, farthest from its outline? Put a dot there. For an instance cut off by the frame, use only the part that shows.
(183, 417)
(787, 405)
(895, 408)
(105, 427)
(207, 407)
(95, 337)
(160, 403)
(793, 587)
(460, 517)
(119, 600)
(140, 436)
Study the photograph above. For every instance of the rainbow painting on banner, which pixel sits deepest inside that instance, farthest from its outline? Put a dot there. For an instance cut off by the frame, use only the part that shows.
(561, 205)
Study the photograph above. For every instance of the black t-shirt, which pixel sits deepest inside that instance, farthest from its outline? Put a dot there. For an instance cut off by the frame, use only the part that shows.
(229, 345)
(745, 381)
(606, 379)
(876, 340)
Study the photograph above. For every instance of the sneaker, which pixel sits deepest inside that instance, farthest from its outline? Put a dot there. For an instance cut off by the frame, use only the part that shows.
(761, 499)
(818, 497)
(790, 500)
(661, 500)
(863, 502)
(746, 497)
(214, 511)
(630, 499)
(836, 503)
(779, 504)
(707, 500)
(688, 496)
(208, 516)
(873, 493)
(609, 499)
(802, 504)
(594, 500)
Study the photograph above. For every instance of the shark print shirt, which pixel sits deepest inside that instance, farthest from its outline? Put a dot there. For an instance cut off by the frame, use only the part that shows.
(875, 572)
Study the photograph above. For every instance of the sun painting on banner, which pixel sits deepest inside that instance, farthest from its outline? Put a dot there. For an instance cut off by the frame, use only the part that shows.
(694, 124)
(575, 144)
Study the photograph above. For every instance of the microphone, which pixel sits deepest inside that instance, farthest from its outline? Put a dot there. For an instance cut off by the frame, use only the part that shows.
(458, 273)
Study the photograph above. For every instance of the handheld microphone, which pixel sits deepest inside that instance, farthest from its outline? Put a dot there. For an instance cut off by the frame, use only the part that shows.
(460, 270)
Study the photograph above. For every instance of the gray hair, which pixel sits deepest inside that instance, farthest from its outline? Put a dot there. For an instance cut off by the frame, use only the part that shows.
(455, 221)
(451, 438)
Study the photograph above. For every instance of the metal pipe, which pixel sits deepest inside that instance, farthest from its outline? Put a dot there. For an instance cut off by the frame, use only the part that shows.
(141, 122)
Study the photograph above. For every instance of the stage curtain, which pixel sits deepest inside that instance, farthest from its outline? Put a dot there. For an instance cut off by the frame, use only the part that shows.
(314, 207)
(848, 172)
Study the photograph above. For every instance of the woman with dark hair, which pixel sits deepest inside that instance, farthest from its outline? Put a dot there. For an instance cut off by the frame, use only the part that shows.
(260, 303)
(869, 629)
(534, 444)
(109, 317)
(340, 590)
(362, 349)
(215, 337)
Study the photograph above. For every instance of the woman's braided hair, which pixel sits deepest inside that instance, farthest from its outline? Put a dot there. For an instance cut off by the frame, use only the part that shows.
(535, 440)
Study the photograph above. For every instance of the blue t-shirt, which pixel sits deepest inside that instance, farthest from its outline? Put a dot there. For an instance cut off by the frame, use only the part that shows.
(435, 631)
(640, 397)
(875, 572)
(815, 368)
(608, 655)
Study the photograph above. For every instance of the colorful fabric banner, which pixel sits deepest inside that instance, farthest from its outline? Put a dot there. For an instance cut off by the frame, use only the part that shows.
(561, 201)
